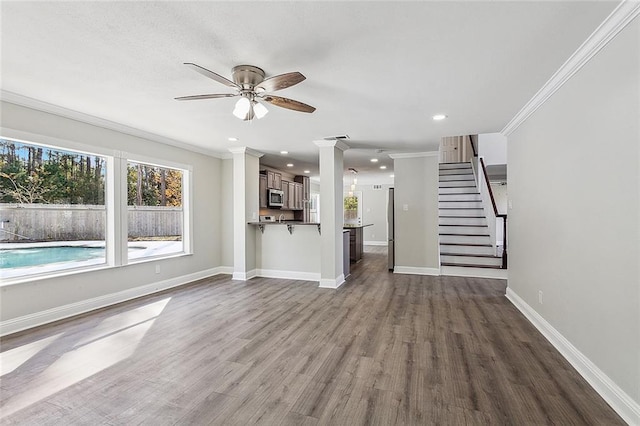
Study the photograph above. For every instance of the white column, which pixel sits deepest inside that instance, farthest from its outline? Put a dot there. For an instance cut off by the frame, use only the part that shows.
(331, 212)
(246, 169)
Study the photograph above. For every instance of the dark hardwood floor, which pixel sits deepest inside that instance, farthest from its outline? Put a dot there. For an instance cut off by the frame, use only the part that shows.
(383, 349)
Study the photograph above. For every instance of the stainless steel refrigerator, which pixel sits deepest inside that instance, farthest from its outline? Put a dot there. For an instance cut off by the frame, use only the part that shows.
(391, 231)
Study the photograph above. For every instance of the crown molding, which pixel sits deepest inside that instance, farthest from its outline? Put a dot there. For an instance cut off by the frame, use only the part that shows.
(617, 20)
(332, 142)
(414, 154)
(25, 101)
(245, 150)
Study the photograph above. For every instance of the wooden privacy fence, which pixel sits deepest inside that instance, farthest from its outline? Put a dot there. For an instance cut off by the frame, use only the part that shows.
(73, 222)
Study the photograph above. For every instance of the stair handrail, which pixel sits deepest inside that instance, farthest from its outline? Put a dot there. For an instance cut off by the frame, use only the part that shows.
(503, 216)
(486, 179)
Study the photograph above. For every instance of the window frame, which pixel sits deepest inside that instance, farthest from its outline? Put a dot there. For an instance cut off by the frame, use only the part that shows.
(187, 214)
(116, 232)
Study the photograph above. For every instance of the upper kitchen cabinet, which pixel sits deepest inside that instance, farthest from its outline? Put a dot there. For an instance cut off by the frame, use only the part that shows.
(263, 191)
(274, 180)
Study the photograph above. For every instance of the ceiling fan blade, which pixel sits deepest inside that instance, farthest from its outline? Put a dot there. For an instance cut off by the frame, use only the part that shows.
(211, 96)
(288, 103)
(212, 75)
(280, 82)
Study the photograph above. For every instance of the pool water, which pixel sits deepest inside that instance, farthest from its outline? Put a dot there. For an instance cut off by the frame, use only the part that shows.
(23, 257)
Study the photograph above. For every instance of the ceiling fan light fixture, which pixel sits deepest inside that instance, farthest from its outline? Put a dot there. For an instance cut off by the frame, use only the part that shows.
(259, 109)
(243, 108)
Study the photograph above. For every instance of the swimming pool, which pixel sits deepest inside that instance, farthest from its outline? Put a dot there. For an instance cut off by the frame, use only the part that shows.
(25, 257)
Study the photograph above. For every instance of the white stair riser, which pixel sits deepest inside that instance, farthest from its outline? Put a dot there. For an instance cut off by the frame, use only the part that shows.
(465, 178)
(465, 239)
(455, 183)
(459, 197)
(444, 248)
(470, 260)
(461, 212)
(463, 221)
(475, 230)
(444, 172)
(459, 204)
(457, 190)
(445, 166)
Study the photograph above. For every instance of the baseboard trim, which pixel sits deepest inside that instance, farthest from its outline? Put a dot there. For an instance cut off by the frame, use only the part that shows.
(413, 270)
(288, 275)
(55, 314)
(244, 276)
(375, 243)
(329, 283)
(618, 399)
(460, 271)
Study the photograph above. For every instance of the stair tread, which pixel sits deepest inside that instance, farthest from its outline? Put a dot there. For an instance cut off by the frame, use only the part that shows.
(461, 193)
(466, 244)
(467, 265)
(465, 235)
(488, 256)
(462, 224)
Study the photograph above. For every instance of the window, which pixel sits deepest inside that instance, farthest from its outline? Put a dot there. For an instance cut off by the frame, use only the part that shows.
(59, 209)
(52, 209)
(155, 213)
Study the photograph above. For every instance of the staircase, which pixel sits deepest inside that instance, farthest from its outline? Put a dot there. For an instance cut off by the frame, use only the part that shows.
(464, 234)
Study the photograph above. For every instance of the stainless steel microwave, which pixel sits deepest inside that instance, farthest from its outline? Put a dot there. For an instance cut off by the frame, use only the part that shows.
(276, 198)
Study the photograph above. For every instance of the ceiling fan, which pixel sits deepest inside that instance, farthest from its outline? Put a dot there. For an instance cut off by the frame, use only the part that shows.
(249, 83)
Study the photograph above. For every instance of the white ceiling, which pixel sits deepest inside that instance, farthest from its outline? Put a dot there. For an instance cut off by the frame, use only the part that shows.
(376, 71)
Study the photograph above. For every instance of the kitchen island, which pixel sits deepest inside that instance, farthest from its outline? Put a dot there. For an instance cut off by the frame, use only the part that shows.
(356, 246)
(288, 249)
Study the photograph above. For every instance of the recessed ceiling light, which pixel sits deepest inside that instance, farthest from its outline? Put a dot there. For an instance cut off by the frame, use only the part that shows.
(383, 167)
(392, 176)
(439, 117)
(374, 160)
(290, 165)
(284, 152)
(307, 171)
(233, 139)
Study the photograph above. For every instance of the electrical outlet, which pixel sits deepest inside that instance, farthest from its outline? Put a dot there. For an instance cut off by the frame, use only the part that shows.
(405, 207)
(510, 204)
(540, 297)
(157, 269)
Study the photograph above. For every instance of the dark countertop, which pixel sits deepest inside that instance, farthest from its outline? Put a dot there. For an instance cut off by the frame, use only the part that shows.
(284, 222)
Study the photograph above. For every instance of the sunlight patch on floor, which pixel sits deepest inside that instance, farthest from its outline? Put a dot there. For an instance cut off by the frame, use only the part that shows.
(114, 340)
(14, 358)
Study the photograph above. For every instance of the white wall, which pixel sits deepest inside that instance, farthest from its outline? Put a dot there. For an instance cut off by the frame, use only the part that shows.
(28, 299)
(416, 228)
(493, 147)
(574, 229)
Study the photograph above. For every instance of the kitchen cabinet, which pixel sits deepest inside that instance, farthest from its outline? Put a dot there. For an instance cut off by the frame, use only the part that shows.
(298, 196)
(263, 192)
(292, 196)
(286, 203)
(304, 196)
(274, 180)
(356, 241)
